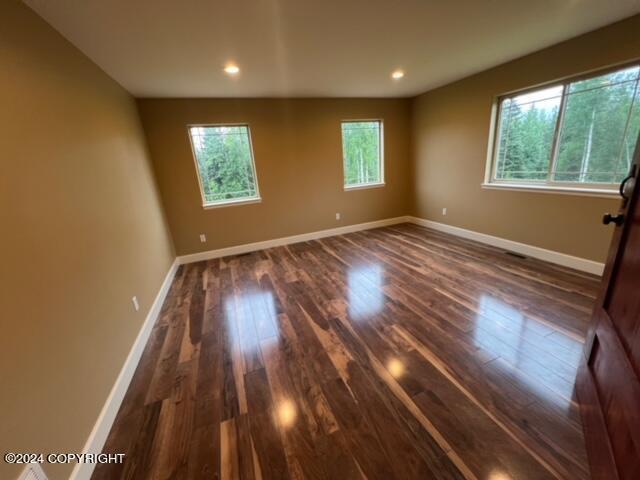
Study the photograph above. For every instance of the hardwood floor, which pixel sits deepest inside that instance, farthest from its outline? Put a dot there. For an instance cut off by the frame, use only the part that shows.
(399, 352)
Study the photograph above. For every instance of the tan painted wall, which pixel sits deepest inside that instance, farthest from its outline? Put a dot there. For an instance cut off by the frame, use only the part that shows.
(450, 132)
(298, 154)
(81, 232)
(82, 229)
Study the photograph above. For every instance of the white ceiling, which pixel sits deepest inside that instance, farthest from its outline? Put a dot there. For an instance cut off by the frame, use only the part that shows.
(313, 48)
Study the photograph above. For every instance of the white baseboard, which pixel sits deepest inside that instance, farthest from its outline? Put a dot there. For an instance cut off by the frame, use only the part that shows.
(277, 242)
(33, 471)
(558, 258)
(102, 427)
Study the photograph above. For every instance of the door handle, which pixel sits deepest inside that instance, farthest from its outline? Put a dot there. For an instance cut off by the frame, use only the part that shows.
(617, 219)
(626, 187)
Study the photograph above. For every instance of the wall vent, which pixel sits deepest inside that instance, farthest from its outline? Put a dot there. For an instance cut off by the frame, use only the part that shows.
(517, 255)
(33, 471)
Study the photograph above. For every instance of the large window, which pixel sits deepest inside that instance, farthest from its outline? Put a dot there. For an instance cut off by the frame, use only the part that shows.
(362, 153)
(224, 162)
(577, 135)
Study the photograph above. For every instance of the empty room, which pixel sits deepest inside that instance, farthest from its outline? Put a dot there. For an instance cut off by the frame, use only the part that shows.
(304, 239)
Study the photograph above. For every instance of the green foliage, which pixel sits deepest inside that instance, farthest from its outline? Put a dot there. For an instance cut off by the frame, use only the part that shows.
(224, 161)
(361, 152)
(525, 146)
(598, 131)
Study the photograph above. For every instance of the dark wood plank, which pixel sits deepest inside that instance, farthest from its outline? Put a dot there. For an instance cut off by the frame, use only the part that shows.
(397, 352)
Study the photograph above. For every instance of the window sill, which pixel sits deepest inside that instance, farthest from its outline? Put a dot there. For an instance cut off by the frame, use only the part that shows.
(231, 203)
(362, 187)
(585, 192)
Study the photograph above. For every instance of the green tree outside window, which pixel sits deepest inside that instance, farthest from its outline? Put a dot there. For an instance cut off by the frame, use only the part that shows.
(225, 163)
(582, 132)
(361, 150)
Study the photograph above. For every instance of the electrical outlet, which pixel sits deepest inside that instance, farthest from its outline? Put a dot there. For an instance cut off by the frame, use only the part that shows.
(203, 238)
(444, 211)
(337, 216)
(136, 305)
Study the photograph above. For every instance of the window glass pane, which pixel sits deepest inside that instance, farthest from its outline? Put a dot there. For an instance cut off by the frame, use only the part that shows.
(225, 163)
(620, 76)
(630, 139)
(361, 153)
(527, 125)
(592, 144)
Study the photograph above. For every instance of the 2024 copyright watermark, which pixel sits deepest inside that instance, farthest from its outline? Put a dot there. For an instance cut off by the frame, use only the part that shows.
(24, 458)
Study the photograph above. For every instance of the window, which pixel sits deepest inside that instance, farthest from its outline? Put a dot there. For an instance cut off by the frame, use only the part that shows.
(224, 162)
(578, 135)
(362, 153)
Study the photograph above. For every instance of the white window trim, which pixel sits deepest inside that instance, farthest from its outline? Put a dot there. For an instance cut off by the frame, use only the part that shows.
(363, 186)
(545, 188)
(231, 203)
(607, 190)
(224, 203)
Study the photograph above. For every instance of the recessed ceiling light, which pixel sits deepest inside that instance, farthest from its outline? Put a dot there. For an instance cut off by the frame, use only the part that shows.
(232, 69)
(397, 74)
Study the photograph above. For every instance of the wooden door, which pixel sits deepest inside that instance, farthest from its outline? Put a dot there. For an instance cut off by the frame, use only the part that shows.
(608, 384)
